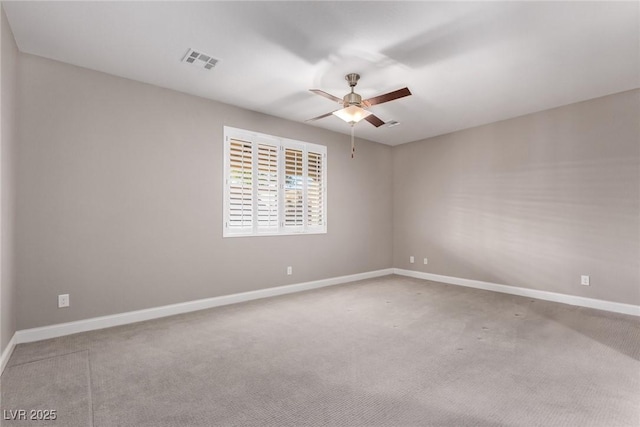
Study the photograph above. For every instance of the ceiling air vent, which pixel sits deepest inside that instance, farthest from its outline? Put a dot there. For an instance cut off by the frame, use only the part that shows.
(199, 59)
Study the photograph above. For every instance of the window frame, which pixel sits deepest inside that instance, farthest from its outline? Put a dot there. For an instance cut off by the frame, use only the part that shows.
(282, 145)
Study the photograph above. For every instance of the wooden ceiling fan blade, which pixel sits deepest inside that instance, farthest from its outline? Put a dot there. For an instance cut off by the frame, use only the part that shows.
(326, 95)
(320, 117)
(374, 120)
(400, 93)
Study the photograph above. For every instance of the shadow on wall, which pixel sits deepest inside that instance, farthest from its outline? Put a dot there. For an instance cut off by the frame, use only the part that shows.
(536, 221)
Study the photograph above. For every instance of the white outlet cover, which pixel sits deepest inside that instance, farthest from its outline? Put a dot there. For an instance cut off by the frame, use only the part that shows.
(63, 300)
(411, 259)
(289, 271)
(426, 261)
(584, 280)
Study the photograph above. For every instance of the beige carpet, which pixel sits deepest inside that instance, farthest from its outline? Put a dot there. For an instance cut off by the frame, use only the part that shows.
(391, 351)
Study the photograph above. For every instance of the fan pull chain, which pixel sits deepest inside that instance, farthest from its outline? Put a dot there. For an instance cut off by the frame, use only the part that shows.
(353, 146)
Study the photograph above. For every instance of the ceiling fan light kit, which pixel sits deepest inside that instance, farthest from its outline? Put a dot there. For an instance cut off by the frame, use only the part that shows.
(355, 107)
(352, 114)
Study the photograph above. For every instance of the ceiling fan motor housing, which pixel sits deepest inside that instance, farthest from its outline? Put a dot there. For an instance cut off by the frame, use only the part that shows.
(352, 99)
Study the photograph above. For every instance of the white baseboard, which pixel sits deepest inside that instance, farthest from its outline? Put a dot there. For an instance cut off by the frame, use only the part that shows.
(6, 354)
(616, 307)
(61, 329)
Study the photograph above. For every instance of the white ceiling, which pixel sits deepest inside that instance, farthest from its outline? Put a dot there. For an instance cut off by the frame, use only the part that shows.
(466, 64)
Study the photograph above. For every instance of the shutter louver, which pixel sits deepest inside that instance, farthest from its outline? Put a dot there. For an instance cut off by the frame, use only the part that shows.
(267, 176)
(294, 186)
(240, 181)
(315, 190)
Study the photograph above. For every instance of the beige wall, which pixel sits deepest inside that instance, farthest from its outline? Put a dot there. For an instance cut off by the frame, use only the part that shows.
(534, 201)
(8, 136)
(120, 199)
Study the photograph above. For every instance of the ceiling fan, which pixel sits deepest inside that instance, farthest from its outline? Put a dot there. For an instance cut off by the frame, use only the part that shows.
(354, 107)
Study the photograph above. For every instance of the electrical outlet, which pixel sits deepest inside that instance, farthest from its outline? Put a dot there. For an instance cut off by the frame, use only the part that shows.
(584, 280)
(289, 271)
(426, 261)
(412, 259)
(63, 300)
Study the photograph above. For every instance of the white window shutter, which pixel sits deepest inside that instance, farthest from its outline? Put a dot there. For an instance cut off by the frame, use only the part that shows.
(267, 187)
(293, 189)
(240, 187)
(315, 190)
(273, 185)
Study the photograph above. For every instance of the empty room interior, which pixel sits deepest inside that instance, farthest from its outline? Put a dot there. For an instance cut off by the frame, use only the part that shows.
(320, 213)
